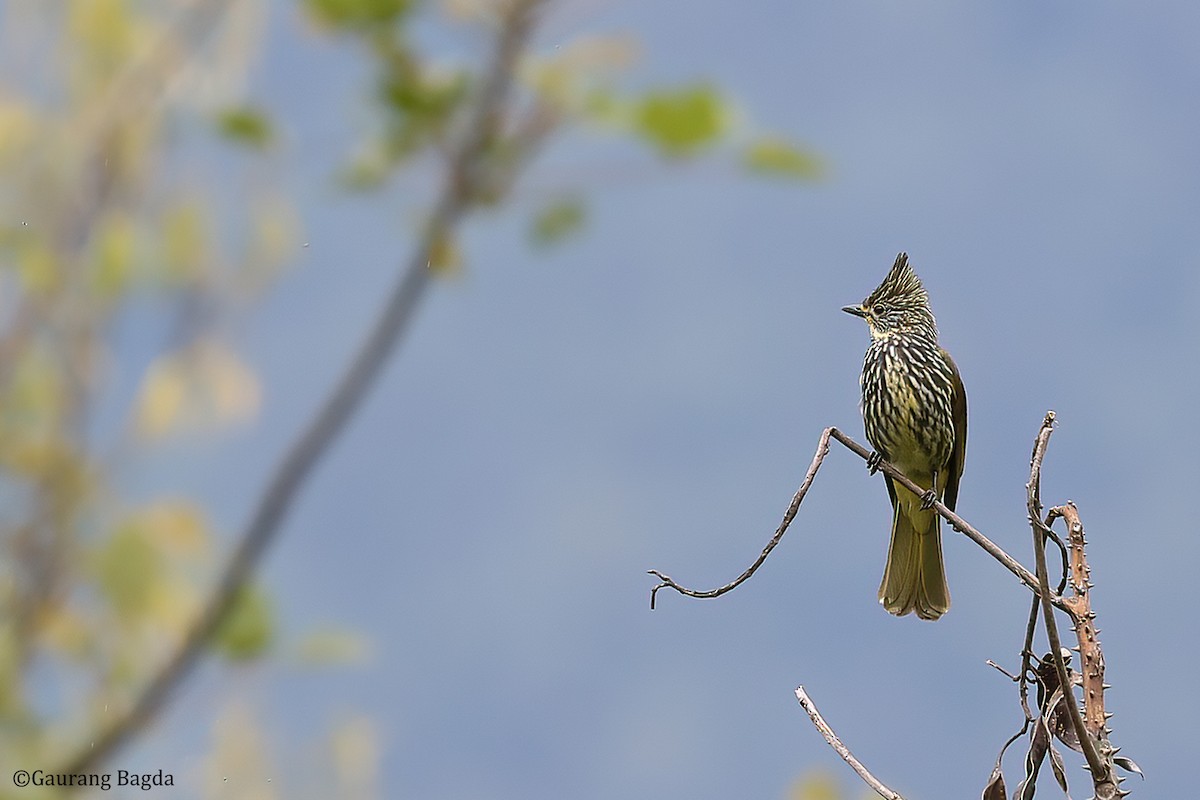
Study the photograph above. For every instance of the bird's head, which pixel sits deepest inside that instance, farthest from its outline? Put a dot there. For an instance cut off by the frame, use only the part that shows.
(898, 305)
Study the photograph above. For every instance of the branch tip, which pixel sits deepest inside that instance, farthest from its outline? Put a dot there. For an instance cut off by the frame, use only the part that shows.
(836, 743)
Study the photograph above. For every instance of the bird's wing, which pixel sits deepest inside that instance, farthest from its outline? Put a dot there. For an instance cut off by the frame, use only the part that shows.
(958, 455)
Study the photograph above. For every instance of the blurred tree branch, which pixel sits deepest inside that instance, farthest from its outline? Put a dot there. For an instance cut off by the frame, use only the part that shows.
(467, 172)
(69, 172)
(111, 597)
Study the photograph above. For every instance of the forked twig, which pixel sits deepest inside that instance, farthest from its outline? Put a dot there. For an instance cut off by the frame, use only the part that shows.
(817, 720)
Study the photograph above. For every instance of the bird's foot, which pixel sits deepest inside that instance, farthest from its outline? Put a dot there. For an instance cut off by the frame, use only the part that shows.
(873, 462)
(928, 499)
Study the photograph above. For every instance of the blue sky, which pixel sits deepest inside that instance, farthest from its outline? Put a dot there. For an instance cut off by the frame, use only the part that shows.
(650, 395)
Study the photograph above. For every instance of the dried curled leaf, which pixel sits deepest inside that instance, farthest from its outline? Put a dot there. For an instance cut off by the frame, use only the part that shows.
(1059, 768)
(1055, 713)
(1039, 743)
(995, 790)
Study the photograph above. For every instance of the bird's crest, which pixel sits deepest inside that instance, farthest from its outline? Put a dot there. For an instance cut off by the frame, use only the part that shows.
(900, 304)
(900, 283)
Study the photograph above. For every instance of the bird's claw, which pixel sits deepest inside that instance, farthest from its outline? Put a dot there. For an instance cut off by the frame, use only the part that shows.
(928, 499)
(873, 462)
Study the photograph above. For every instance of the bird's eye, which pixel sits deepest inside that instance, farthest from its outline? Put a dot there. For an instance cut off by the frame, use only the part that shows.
(881, 309)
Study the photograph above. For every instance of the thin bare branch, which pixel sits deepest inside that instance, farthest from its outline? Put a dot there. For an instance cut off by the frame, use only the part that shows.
(810, 708)
(1011, 564)
(457, 195)
(958, 523)
(818, 458)
(1027, 657)
(1002, 671)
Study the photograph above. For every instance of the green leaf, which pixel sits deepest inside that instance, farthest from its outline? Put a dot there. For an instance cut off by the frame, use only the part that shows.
(367, 170)
(818, 786)
(604, 106)
(247, 629)
(772, 155)
(186, 236)
(557, 221)
(420, 103)
(333, 647)
(361, 14)
(39, 267)
(113, 248)
(247, 126)
(127, 566)
(417, 94)
(445, 257)
(682, 122)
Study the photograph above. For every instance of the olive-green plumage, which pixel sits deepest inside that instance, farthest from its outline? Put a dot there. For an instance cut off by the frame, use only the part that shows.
(915, 412)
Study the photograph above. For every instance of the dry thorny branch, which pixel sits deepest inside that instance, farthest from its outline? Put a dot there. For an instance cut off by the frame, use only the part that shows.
(1085, 731)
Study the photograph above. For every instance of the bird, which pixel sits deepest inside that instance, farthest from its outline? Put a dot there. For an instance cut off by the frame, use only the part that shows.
(914, 410)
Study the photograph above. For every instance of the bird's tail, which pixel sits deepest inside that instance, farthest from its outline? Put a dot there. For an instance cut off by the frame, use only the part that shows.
(915, 578)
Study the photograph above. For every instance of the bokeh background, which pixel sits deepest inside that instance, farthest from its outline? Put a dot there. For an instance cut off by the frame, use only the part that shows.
(468, 563)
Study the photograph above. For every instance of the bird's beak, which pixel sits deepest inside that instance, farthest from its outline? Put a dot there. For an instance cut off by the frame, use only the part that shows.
(857, 311)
